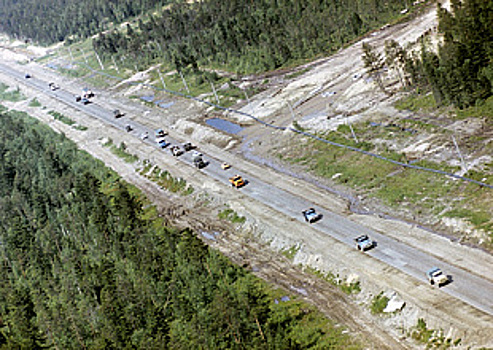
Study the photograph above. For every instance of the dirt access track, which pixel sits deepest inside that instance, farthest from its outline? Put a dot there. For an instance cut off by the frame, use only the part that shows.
(256, 243)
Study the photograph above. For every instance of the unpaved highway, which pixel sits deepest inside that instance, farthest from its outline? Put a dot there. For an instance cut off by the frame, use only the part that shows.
(468, 286)
(272, 203)
(285, 202)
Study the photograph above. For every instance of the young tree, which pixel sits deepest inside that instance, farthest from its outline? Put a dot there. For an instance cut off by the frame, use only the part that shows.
(374, 63)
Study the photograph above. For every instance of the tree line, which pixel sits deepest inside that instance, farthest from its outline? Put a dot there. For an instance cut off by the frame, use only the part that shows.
(86, 263)
(460, 72)
(244, 37)
(51, 21)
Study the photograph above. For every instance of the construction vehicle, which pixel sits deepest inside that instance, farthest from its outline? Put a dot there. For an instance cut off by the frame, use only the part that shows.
(237, 181)
(364, 242)
(311, 215)
(437, 277)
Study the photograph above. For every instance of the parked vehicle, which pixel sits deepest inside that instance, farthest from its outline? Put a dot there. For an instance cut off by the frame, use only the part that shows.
(364, 242)
(437, 277)
(311, 215)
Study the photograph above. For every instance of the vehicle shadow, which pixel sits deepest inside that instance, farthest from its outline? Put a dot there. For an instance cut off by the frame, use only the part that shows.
(450, 279)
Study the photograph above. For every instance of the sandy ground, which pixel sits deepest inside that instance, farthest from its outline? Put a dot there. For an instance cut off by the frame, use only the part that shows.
(257, 243)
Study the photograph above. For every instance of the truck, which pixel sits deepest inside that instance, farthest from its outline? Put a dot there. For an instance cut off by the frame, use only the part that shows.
(199, 162)
(237, 181)
(437, 277)
(364, 242)
(176, 151)
(311, 215)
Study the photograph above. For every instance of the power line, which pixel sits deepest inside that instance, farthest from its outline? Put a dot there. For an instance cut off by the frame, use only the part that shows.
(304, 133)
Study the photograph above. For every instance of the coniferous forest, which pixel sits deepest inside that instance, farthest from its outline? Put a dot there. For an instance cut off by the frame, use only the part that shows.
(51, 21)
(246, 37)
(84, 266)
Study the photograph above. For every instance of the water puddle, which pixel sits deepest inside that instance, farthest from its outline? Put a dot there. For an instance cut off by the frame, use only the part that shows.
(224, 125)
(149, 98)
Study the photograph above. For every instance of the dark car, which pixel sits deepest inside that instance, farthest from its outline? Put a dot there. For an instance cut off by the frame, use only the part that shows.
(311, 215)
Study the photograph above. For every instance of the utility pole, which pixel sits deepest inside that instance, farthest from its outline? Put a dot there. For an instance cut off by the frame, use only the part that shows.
(71, 57)
(248, 100)
(460, 154)
(84, 55)
(215, 94)
(162, 80)
(114, 63)
(184, 82)
(352, 131)
(99, 60)
(291, 109)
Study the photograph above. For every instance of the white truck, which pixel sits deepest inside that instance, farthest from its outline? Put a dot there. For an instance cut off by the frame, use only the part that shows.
(437, 277)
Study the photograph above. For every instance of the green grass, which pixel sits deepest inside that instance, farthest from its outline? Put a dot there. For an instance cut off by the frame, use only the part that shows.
(417, 102)
(61, 117)
(164, 179)
(298, 73)
(80, 127)
(34, 103)
(482, 110)
(231, 215)
(7, 94)
(432, 338)
(378, 303)
(121, 152)
(396, 186)
(351, 288)
(291, 252)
